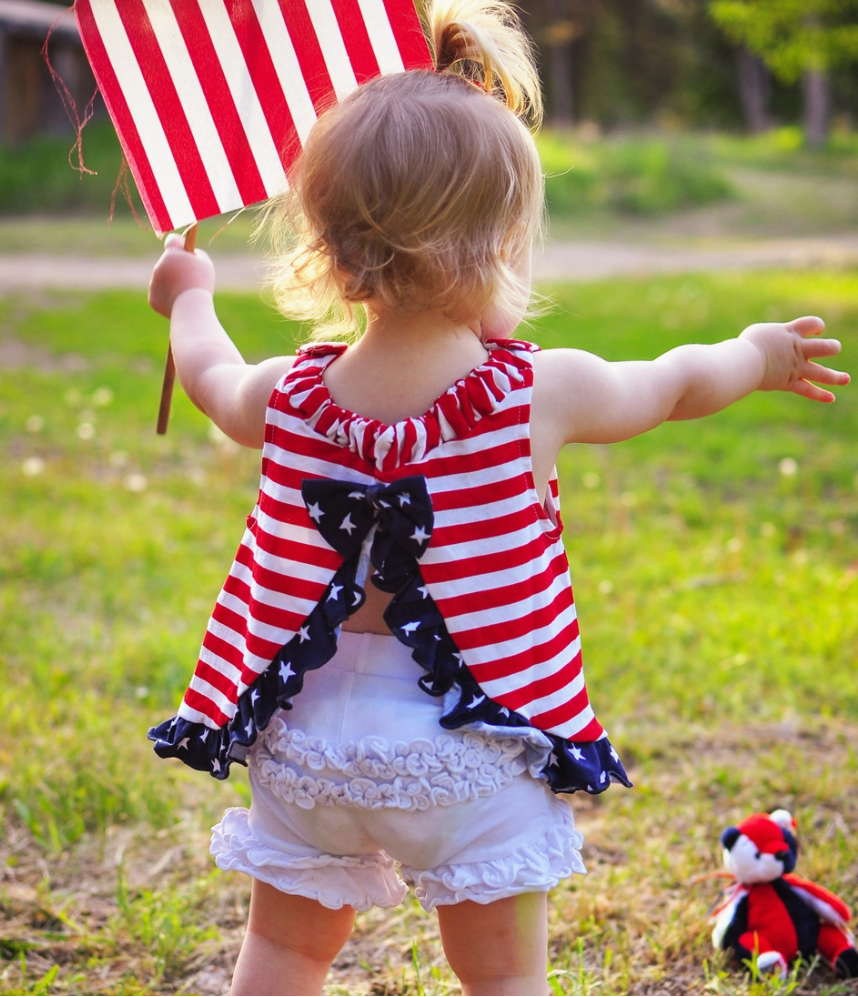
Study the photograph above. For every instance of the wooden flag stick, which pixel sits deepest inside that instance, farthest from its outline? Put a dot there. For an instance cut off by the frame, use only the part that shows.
(170, 366)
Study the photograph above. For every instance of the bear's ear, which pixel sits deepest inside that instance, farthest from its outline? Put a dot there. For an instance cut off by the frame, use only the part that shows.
(784, 819)
(730, 837)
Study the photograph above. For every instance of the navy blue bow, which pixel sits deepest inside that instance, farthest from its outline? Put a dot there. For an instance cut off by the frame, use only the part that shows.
(344, 513)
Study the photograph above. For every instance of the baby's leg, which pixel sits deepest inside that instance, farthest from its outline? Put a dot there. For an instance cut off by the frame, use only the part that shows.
(498, 948)
(290, 943)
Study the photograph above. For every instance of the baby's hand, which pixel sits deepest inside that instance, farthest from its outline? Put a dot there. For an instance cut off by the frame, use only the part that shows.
(177, 271)
(786, 354)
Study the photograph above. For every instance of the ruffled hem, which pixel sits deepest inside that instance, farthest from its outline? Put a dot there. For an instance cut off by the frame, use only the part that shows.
(454, 415)
(372, 774)
(532, 868)
(361, 881)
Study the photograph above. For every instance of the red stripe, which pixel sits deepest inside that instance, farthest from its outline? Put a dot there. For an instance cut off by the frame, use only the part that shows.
(317, 557)
(408, 33)
(202, 704)
(356, 39)
(544, 686)
(562, 715)
(266, 82)
(272, 616)
(117, 106)
(224, 113)
(506, 595)
(497, 633)
(169, 108)
(513, 663)
(220, 681)
(309, 54)
(482, 529)
(223, 649)
(438, 574)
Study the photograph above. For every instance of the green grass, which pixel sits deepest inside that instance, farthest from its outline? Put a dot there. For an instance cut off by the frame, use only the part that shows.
(719, 605)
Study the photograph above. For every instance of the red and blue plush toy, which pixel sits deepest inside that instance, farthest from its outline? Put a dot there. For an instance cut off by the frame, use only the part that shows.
(771, 916)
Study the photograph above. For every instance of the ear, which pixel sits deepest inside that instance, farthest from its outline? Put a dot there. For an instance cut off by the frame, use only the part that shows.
(730, 837)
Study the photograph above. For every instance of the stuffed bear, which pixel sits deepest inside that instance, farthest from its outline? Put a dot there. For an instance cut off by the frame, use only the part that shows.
(771, 916)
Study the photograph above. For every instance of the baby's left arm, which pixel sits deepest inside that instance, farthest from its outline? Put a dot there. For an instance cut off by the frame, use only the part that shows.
(232, 393)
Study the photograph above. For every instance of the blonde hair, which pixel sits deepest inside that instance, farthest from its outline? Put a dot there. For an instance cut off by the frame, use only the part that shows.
(420, 190)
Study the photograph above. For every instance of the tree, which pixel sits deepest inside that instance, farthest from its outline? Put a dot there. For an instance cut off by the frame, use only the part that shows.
(797, 39)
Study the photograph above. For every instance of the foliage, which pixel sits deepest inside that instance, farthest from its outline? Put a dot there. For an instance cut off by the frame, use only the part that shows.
(792, 36)
(638, 175)
(716, 570)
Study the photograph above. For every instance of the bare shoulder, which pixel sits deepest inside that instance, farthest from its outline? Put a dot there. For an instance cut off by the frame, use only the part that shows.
(240, 394)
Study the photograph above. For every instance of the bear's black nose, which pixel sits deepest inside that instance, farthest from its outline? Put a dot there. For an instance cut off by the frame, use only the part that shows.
(730, 837)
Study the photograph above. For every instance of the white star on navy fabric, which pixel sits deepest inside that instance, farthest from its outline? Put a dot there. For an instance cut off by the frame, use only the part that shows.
(254, 696)
(423, 590)
(304, 634)
(357, 495)
(504, 711)
(420, 535)
(347, 524)
(602, 777)
(552, 759)
(204, 735)
(459, 658)
(315, 512)
(249, 728)
(335, 591)
(577, 753)
(614, 754)
(286, 671)
(183, 744)
(410, 627)
(404, 499)
(475, 702)
(215, 765)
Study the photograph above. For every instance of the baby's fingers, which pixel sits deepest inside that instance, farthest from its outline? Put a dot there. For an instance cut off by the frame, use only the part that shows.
(819, 347)
(825, 375)
(811, 391)
(807, 325)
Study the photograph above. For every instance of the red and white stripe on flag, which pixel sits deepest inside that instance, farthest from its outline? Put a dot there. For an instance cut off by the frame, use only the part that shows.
(213, 99)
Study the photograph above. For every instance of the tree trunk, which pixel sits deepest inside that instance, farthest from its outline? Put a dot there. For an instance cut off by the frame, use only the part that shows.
(754, 89)
(559, 40)
(816, 89)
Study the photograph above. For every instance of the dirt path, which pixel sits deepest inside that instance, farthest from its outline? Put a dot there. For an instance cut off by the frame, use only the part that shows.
(591, 260)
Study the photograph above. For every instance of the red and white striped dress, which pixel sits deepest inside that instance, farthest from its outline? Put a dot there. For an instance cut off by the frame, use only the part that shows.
(495, 565)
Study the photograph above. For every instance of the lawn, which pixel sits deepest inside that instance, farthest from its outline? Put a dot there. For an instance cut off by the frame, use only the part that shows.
(716, 572)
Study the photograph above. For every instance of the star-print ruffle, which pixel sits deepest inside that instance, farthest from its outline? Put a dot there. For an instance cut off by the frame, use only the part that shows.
(389, 526)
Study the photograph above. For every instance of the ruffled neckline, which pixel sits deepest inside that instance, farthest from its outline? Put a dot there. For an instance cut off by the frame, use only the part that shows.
(453, 415)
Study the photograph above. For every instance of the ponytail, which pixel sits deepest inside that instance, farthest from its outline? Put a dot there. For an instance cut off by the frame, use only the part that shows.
(484, 41)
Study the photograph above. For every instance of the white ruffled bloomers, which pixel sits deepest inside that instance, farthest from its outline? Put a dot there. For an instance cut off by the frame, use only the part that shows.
(510, 834)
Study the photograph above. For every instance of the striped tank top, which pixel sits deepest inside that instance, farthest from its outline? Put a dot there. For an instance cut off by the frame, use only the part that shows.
(439, 510)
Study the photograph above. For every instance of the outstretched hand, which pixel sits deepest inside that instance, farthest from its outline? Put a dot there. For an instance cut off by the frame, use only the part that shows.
(788, 354)
(176, 271)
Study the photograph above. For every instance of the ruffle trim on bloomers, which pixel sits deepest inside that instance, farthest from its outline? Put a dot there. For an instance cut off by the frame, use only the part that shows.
(364, 881)
(373, 774)
(392, 525)
(531, 868)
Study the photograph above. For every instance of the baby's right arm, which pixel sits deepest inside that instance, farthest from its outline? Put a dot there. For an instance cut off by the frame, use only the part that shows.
(232, 393)
(580, 398)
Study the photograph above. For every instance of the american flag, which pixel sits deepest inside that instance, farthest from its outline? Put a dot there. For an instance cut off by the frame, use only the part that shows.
(213, 99)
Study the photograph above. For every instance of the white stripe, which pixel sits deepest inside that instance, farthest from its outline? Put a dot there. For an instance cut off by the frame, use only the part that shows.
(518, 680)
(228, 635)
(487, 653)
(206, 689)
(491, 580)
(295, 569)
(186, 712)
(220, 664)
(141, 108)
(271, 597)
(290, 532)
(505, 543)
(244, 94)
(496, 511)
(574, 724)
(288, 68)
(510, 612)
(381, 36)
(333, 47)
(194, 104)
